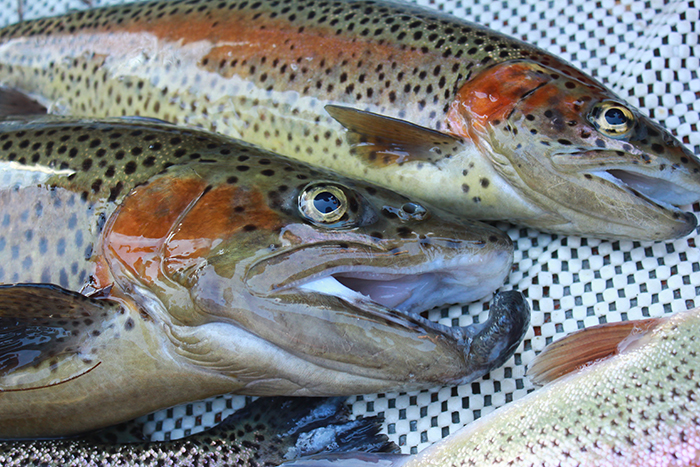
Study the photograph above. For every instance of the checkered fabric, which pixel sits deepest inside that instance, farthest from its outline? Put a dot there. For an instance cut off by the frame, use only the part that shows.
(646, 51)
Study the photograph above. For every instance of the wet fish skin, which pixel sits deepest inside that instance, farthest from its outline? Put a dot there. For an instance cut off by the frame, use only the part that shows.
(266, 432)
(275, 75)
(146, 265)
(639, 406)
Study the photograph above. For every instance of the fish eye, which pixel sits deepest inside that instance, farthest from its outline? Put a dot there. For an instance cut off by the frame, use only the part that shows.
(612, 119)
(324, 203)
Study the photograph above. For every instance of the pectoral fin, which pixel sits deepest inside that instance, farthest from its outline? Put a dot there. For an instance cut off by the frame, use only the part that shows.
(14, 102)
(585, 347)
(383, 141)
(41, 322)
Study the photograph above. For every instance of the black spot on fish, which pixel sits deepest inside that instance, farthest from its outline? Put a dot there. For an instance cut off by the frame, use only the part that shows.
(484, 182)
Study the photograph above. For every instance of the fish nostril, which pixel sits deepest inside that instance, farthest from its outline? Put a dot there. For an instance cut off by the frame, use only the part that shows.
(413, 211)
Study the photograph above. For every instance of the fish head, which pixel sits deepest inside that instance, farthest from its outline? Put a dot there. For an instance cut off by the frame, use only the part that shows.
(277, 225)
(325, 267)
(590, 158)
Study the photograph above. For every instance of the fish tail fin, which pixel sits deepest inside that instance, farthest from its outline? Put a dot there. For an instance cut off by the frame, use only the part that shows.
(586, 346)
(352, 459)
(307, 426)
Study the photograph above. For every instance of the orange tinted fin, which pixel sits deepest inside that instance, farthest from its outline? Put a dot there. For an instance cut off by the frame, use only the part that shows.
(44, 321)
(383, 141)
(584, 347)
(14, 102)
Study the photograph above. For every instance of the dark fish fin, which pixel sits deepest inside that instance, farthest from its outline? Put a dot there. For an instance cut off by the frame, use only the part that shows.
(42, 321)
(585, 347)
(306, 426)
(354, 459)
(14, 102)
(383, 140)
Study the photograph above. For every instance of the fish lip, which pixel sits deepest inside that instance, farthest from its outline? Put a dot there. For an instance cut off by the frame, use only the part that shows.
(636, 179)
(418, 288)
(633, 181)
(460, 279)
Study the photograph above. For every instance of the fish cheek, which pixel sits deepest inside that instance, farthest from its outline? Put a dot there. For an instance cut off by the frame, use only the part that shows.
(226, 229)
(135, 237)
(489, 98)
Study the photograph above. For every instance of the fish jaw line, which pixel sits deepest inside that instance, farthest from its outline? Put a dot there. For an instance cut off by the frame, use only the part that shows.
(658, 187)
(461, 279)
(657, 190)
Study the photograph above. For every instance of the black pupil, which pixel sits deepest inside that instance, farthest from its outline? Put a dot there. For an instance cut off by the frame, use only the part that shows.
(326, 202)
(615, 117)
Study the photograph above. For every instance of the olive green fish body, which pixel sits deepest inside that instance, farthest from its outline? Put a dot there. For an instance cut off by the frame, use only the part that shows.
(432, 106)
(147, 265)
(267, 432)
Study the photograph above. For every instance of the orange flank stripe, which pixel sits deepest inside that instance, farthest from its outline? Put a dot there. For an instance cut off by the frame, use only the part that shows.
(240, 36)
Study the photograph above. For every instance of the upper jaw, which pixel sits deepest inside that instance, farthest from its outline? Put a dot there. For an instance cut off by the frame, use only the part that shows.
(458, 280)
(662, 183)
(659, 190)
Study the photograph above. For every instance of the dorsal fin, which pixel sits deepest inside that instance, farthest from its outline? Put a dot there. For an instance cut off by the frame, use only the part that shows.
(585, 347)
(14, 102)
(383, 140)
(42, 321)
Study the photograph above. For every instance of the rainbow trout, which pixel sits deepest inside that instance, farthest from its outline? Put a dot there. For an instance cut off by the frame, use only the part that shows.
(266, 432)
(146, 265)
(631, 400)
(437, 108)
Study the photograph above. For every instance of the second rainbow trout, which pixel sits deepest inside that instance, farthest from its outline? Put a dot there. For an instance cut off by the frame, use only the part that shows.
(145, 265)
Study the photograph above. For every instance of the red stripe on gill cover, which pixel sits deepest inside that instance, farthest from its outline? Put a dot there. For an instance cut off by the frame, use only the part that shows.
(220, 214)
(492, 95)
(144, 222)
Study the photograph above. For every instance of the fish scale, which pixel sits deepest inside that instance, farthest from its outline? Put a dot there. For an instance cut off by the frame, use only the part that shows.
(266, 71)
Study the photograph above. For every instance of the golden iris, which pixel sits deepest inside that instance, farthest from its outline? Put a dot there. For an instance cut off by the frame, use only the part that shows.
(612, 119)
(323, 203)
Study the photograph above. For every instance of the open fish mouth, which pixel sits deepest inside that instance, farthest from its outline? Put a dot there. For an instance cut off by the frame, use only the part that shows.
(658, 190)
(459, 280)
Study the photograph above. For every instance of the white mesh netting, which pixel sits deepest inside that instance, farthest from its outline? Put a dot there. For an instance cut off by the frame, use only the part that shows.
(646, 51)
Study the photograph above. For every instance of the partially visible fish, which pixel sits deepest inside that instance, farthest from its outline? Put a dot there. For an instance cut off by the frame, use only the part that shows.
(146, 265)
(633, 399)
(266, 432)
(424, 103)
